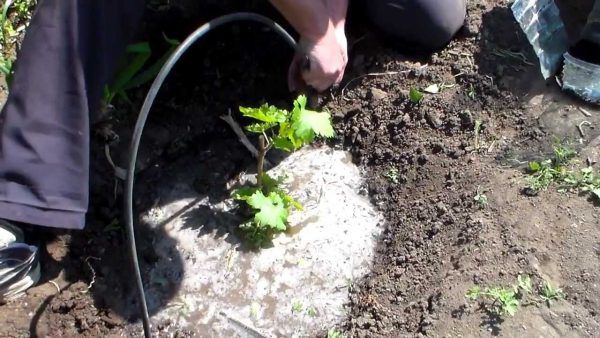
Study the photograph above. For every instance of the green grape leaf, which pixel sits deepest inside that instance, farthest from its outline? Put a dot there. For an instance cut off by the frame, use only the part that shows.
(306, 123)
(243, 193)
(271, 210)
(283, 143)
(271, 184)
(259, 128)
(265, 113)
(289, 200)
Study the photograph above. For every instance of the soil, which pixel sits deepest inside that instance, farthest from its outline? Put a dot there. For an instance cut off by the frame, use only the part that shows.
(438, 240)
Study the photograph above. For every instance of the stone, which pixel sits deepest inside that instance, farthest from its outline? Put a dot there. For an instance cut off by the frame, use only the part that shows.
(377, 94)
(433, 119)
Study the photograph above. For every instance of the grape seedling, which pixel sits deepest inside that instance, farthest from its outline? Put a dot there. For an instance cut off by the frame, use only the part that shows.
(286, 130)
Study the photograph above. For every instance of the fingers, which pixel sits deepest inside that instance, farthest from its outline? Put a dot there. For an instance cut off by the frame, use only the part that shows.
(320, 80)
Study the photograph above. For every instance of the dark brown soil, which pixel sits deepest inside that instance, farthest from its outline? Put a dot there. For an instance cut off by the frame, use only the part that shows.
(438, 240)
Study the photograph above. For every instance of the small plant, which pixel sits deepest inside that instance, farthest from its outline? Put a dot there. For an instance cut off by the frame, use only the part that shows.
(415, 95)
(481, 198)
(297, 306)
(549, 171)
(587, 182)
(131, 75)
(477, 132)
(392, 175)
(504, 301)
(563, 153)
(277, 128)
(311, 311)
(555, 170)
(524, 284)
(549, 293)
(14, 16)
(6, 68)
(471, 93)
(333, 333)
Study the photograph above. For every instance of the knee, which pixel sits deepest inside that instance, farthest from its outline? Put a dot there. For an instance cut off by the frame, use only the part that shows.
(426, 24)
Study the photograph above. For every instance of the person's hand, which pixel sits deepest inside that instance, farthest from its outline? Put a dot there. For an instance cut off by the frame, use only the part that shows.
(319, 64)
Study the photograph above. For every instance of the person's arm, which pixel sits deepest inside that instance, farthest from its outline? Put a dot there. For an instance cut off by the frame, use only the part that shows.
(320, 24)
(337, 10)
(309, 17)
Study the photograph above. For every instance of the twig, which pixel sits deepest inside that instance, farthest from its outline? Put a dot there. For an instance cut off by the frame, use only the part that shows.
(58, 290)
(372, 74)
(585, 112)
(261, 159)
(241, 135)
(87, 260)
(249, 331)
(580, 127)
(119, 172)
(489, 150)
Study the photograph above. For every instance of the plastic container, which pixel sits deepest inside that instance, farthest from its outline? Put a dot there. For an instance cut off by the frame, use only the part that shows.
(582, 78)
(541, 22)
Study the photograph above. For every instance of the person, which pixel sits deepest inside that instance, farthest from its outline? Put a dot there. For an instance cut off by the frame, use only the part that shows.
(69, 53)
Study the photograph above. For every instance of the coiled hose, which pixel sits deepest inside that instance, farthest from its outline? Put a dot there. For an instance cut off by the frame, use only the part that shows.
(141, 122)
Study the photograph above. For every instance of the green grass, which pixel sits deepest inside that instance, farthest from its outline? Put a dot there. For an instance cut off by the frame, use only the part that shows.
(333, 333)
(481, 198)
(550, 294)
(14, 17)
(558, 171)
(504, 300)
(392, 175)
(508, 300)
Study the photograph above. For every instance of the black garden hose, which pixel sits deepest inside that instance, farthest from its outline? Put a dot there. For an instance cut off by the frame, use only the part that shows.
(141, 122)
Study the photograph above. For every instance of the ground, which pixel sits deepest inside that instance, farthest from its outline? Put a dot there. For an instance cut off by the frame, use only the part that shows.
(424, 165)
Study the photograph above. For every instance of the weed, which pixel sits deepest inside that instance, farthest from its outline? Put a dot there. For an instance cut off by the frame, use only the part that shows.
(270, 204)
(131, 75)
(415, 95)
(254, 310)
(311, 311)
(587, 182)
(563, 153)
(477, 132)
(481, 198)
(524, 284)
(555, 170)
(14, 16)
(392, 175)
(549, 293)
(551, 170)
(297, 306)
(113, 226)
(6, 68)
(333, 333)
(471, 93)
(504, 301)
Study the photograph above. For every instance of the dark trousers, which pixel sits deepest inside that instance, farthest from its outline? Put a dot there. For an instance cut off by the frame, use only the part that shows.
(70, 51)
(419, 25)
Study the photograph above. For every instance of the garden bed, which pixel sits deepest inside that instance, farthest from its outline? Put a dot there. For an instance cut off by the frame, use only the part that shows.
(447, 174)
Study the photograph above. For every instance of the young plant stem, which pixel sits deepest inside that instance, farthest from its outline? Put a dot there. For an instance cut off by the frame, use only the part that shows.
(262, 151)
